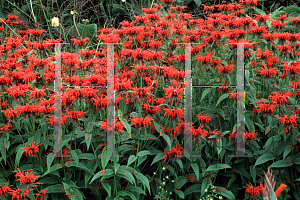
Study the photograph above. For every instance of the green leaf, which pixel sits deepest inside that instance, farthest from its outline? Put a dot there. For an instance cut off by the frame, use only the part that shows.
(253, 172)
(204, 186)
(143, 179)
(157, 127)
(141, 159)
(131, 159)
(224, 96)
(104, 158)
(74, 156)
(19, 154)
(181, 183)
(196, 169)
(136, 189)
(204, 94)
(89, 31)
(50, 159)
(281, 164)
(52, 169)
(142, 153)
(101, 173)
(180, 164)
(88, 138)
(54, 188)
(217, 167)
(180, 194)
(259, 11)
(250, 125)
(87, 156)
(157, 158)
(126, 175)
(287, 151)
(107, 187)
(123, 193)
(127, 126)
(226, 193)
(291, 9)
(168, 140)
(242, 171)
(198, 3)
(274, 139)
(264, 158)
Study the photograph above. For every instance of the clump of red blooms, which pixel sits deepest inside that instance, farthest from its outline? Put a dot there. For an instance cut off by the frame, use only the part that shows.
(23, 69)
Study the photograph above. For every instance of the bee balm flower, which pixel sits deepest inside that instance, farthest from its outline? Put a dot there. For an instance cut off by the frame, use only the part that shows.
(55, 22)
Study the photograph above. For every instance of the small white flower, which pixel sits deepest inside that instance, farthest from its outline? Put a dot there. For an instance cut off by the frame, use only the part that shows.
(72, 12)
(55, 22)
(123, 0)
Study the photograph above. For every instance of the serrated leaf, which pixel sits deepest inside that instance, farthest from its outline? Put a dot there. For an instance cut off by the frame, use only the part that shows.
(136, 189)
(281, 164)
(50, 159)
(263, 159)
(141, 159)
(54, 188)
(143, 179)
(126, 175)
(131, 159)
(144, 152)
(101, 173)
(157, 158)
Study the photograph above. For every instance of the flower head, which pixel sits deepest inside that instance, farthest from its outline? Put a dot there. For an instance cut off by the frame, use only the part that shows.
(55, 22)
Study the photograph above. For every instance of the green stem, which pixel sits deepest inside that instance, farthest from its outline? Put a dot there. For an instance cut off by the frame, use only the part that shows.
(75, 25)
(14, 4)
(64, 33)
(47, 21)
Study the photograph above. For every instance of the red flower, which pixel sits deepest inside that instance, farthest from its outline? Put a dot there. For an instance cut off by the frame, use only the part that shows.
(266, 109)
(17, 193)
(32, 150)
(43, 195)
(4, 189)
(288, 122)
(141, 122)
(80, 42)
(26, 178)
(173, 153)
(251, 190)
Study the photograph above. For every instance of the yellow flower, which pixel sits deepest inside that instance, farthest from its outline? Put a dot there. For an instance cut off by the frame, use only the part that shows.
(167, 176)
(205, 190)
(220, 197)
(164, 168)
(55, 22)
(164, 183)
